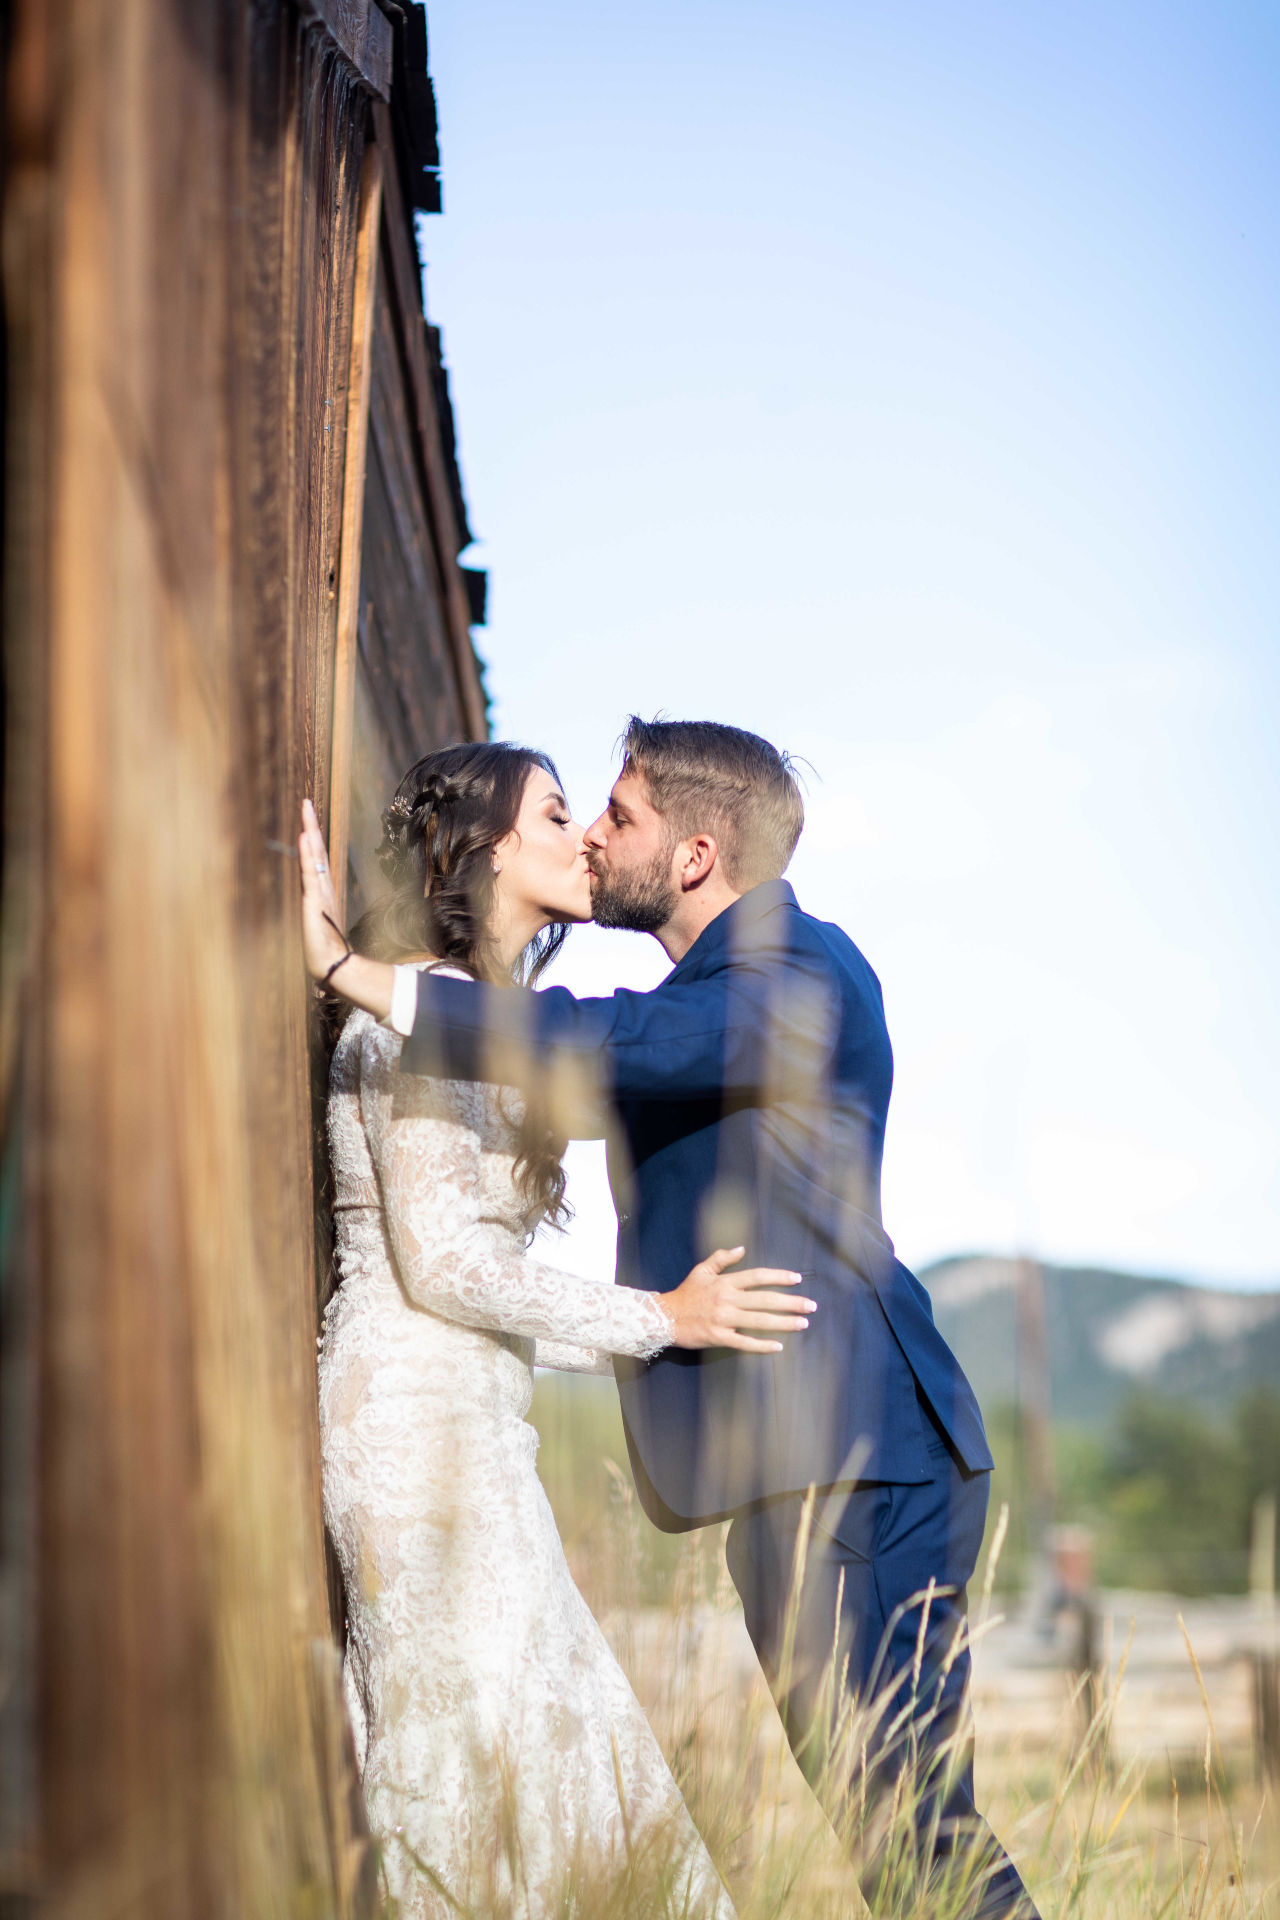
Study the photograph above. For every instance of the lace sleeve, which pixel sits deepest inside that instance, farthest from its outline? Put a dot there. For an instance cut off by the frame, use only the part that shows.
(564, 1356)
(423, 1138)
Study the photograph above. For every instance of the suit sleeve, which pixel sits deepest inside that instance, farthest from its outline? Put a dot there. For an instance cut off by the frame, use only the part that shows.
(451, 1258)
(758, 1028)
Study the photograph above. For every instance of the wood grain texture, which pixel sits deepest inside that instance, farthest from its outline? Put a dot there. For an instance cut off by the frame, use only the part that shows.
(405, 309)
(353, 498)
(182, 212)
(363, 34)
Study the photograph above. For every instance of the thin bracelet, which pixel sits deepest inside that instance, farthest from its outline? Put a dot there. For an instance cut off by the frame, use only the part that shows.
(342, 958)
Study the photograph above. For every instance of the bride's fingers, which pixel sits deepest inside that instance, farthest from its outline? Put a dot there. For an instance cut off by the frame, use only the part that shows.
(313, 839)
(743, 1343)
(318, 896)
(772, 1303)
(306, 866)
(766, 1323)
(765, 1277)
(769, 1322)
(317, 882)
(323, 942)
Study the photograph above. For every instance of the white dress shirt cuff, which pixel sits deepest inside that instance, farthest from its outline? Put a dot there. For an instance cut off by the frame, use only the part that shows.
(404, 1001)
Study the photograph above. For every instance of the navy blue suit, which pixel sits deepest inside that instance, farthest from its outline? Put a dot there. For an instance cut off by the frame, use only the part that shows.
(744, 1101)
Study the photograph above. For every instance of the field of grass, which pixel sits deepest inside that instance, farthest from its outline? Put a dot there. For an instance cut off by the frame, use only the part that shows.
(1095, 1835)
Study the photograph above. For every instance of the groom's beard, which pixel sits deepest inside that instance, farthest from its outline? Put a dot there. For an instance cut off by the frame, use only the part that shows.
(641, 900)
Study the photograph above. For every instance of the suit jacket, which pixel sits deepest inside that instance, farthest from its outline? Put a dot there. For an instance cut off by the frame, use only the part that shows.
(745, 1101)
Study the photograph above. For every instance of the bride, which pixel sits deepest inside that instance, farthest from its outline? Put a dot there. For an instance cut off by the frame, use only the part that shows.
(507, 1765)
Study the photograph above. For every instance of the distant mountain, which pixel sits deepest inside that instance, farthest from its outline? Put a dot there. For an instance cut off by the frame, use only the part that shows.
(1108, 1333)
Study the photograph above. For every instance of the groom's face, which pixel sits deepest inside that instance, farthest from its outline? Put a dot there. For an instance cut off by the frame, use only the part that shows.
(629, 854)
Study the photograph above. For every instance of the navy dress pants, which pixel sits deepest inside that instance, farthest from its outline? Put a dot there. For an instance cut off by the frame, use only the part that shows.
(871, 1684)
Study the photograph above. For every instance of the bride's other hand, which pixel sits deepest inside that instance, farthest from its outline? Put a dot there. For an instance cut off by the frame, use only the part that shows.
(714, 1308)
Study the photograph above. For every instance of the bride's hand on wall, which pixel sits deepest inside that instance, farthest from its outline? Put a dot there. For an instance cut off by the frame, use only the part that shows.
(714, 1308)
(323, 941)
(324, 945)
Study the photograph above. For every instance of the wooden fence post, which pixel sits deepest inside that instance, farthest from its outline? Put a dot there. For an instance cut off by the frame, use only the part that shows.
(1266, 1651)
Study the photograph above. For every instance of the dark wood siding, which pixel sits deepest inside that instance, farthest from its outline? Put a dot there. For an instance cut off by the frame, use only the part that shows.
(418, 681)
(182, 212)
(408, 698)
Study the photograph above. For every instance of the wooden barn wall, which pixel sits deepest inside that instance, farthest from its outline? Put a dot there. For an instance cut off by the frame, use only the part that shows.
(417, 682)
(407, 697)
(181, 211)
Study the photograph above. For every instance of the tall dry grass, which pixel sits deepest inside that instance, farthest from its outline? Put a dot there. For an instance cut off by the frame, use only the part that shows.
(1093, 1837)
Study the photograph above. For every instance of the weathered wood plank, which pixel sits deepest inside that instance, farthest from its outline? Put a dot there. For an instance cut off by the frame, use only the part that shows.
(183, 547)
(445, 532)
(325, 140)
(185, 1761)
(363, 34)
(353, 494)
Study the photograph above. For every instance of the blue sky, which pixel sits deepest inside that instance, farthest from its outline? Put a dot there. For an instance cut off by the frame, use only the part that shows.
(900, 382)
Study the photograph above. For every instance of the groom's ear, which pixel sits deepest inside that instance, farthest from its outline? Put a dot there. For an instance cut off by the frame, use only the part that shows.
(698, 856)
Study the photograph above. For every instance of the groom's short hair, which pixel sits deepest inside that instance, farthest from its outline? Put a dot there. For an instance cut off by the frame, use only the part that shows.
(706, 778)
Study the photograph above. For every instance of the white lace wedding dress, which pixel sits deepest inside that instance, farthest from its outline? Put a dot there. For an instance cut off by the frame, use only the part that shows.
(502, 1750)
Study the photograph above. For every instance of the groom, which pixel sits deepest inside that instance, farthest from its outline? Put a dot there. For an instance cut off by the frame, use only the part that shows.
(745, 1102)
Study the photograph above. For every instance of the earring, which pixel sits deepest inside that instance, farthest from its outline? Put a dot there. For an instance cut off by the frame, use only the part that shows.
(496, 865)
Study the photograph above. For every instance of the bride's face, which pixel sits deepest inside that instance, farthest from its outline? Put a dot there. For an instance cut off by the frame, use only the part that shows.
(541, 865)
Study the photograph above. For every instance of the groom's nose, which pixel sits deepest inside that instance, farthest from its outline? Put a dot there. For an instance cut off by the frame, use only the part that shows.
(595, 833)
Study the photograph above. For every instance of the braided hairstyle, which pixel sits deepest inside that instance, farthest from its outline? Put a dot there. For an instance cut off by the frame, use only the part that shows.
(438, 835)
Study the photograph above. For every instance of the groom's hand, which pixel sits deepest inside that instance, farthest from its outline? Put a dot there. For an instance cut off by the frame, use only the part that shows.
(324, 945)
(714, 1308)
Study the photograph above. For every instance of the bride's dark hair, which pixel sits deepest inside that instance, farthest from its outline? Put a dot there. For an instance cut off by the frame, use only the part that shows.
(438, 835)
